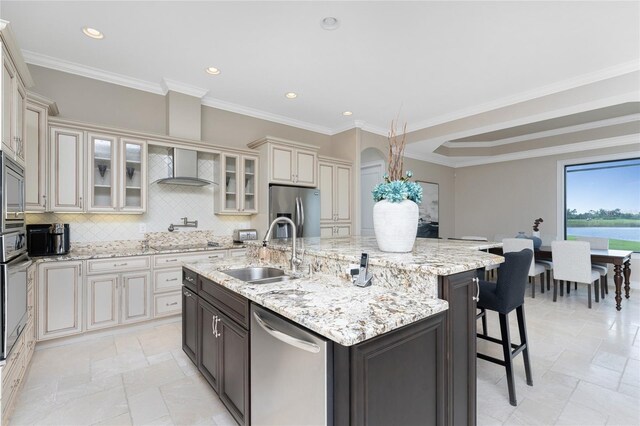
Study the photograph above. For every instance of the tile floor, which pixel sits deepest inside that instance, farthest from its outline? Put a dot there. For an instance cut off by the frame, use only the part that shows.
(586, 371)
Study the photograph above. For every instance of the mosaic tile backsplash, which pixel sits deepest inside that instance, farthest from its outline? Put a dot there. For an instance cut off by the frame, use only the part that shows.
(166, 204)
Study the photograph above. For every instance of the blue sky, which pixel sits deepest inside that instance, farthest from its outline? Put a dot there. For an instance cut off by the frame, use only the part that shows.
(598, 186)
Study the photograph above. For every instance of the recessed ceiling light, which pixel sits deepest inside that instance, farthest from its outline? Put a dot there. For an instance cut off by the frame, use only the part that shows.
(93, 33)
(347, 113)
(290, 95)
(330, 23)
(212, 70)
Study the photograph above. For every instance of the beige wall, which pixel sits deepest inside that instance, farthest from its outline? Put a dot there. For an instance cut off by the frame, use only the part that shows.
(504, 198)
(93, 101)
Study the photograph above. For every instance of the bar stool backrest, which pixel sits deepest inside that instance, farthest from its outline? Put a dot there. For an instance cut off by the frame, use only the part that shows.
(512, 280)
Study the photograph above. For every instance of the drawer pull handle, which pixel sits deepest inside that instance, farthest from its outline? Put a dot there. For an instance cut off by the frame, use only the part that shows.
(187, 294)
(189, 279)
(171, 304)
(172, 279)
(171, 260)
(121, 264)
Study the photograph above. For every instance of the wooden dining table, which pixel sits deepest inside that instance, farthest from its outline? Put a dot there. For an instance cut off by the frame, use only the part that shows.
(621, 260)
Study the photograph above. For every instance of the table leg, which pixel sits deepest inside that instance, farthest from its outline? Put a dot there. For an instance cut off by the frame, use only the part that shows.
(627, 275)
(617, 279)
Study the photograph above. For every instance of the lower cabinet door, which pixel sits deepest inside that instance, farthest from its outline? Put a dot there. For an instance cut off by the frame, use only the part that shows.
(59, 299)
(136, 294)
(234, 369)
(209, 343)
(190, 324)
(102, 301)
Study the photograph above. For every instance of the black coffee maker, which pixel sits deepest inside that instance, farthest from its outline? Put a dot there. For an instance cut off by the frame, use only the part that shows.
(48, 239)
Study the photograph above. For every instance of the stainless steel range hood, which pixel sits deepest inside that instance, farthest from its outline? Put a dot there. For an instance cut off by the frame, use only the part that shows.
(185, 169)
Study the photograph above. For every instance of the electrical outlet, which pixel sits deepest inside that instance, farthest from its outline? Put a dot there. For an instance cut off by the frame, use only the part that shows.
(142, 228)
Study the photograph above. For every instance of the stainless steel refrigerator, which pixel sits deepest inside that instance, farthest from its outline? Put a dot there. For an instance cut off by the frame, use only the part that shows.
(301, 205)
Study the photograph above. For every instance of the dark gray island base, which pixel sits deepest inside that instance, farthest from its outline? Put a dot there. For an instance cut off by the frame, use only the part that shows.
(419, 374)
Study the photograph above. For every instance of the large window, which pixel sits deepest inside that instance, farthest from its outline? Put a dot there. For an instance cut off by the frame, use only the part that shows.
(603, 200)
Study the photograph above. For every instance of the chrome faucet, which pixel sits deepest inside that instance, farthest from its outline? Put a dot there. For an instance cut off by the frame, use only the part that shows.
(295, 262)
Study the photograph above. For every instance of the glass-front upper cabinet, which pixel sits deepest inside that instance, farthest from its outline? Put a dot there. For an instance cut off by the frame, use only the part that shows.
(238, 186)
(249, 189)
(101, 175)
(133, 175)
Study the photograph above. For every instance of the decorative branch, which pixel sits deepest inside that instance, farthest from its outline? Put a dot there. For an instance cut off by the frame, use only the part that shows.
(396, 151)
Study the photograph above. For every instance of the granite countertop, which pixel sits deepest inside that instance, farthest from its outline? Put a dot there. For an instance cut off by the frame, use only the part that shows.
(328, 305)
(435, 256)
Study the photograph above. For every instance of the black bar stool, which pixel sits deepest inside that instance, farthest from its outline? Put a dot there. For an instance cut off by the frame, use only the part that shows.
(504, 296)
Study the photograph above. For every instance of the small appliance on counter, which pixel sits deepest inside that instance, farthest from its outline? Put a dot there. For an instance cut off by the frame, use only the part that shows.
(48, 239)
(242, 235)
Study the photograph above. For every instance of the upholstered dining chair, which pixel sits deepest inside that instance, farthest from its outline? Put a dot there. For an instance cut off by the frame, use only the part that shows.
(572, 262)
(598, 243)
(504, 296)
(535, 269)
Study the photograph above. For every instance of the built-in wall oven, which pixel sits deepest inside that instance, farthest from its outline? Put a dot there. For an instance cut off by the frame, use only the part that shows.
(12, 196)
(13, 273)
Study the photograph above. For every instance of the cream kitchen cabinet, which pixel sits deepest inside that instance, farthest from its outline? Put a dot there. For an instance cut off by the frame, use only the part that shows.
(167, 278)
(59, 299)
(288, 162)
(118, 299)
(116, 174)
(14, 79)
(67, 170)
(238, 185)
(36, 152)
(335, 183)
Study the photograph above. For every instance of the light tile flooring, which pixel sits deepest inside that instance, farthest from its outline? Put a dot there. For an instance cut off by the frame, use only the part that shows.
(586, 371)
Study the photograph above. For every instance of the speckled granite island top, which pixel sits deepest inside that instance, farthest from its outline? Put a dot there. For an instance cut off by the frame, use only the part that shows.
(434, 256)
(328, 305)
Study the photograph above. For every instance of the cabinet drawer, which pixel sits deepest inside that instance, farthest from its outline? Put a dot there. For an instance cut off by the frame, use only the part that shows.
(118, 264)
(178, 259)
(167, 280)
(14, 363)
(233, 305)
(190, 279)
(167, 304)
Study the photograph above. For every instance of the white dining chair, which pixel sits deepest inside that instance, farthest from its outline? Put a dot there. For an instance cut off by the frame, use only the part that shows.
(572, 262)
(598, 243)
(535, 269)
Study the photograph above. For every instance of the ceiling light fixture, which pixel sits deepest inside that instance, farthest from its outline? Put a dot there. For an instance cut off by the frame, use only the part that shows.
(347, 113)
(212, 70)
(329, 23)
(93, 33)
(290, 95)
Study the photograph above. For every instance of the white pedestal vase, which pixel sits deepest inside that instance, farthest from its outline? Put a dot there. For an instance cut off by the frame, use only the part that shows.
(395, 225)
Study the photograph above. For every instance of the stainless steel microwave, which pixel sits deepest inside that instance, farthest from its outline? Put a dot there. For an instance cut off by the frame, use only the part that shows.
(12, 196)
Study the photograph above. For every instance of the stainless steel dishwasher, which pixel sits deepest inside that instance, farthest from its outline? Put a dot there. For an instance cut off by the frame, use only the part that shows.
(291, 372)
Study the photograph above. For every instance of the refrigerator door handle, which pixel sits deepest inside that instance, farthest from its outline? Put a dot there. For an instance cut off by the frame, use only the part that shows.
(298, 204)
(301, 219)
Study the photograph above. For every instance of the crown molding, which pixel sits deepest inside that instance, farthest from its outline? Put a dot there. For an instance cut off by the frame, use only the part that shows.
(90, 72)
(263, 115)
(545, 152)
(431, 158)
(12, 49)
(561, 86)
(52, 107)
(184, 88)
(546, 133)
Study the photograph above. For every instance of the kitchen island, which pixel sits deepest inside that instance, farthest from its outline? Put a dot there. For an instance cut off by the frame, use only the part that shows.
(403, 349)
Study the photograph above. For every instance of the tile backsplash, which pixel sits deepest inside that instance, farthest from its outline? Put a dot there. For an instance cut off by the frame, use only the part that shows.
(166, 204)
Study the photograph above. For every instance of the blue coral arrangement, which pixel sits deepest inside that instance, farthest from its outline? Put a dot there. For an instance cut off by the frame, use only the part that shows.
(396, 191)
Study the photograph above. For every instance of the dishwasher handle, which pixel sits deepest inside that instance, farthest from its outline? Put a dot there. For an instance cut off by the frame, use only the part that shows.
(283, 337)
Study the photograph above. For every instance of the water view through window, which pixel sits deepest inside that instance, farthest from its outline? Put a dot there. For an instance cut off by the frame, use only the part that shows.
(603, 200)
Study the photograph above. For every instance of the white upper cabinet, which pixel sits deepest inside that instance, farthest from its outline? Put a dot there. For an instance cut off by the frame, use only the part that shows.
(238, 184)
(133, 175)
(102, 173)
(335, 182)
(67, 170)
(36, 153)
(8, 105)
(288, 162)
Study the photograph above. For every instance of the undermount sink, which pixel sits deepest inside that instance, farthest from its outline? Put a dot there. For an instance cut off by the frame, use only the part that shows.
(258, 275)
